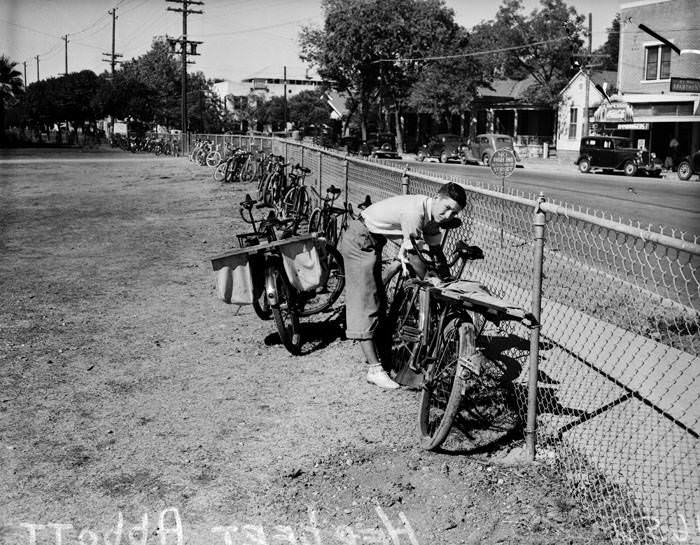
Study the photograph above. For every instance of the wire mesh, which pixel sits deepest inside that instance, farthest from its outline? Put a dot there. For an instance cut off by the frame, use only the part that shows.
(619, 372)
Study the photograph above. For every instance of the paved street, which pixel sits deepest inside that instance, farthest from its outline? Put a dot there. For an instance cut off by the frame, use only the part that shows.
(662, 202)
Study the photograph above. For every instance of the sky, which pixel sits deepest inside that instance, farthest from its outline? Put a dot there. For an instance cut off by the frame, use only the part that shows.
(241, 38)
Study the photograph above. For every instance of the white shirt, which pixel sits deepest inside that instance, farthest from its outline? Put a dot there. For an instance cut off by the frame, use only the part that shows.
(397, 218)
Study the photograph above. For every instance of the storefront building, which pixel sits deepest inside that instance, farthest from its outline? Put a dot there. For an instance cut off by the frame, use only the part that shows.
(659, 84)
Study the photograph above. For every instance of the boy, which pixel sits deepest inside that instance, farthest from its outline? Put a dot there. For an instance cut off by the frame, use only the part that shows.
(395, 219)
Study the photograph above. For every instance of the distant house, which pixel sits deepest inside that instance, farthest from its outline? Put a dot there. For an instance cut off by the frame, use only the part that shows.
(572, 109)
(503, 108)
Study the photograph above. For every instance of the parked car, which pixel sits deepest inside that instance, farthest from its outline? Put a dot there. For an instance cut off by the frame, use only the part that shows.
(445, 147)
(689, 165)
(383, 146)
(484, 145)
(616, 153)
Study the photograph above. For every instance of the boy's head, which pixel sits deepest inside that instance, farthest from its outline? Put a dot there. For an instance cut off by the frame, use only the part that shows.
(450, 201)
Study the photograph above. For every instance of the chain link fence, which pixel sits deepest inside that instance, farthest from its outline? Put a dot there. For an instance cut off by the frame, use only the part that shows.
(618, 384)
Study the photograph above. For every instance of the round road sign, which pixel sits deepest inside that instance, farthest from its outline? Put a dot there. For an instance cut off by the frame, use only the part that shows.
(502, 163)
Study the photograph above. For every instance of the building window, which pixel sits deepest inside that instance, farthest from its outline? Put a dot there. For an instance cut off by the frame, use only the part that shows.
(573, 118)
(658, 62)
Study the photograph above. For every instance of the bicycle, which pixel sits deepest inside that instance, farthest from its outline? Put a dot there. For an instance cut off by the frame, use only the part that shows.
(296, 200)
(438, 335)
(279, 298)
(324, 219)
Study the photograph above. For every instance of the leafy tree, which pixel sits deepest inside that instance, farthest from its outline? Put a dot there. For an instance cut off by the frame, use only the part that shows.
(359, 36)
(611, 47)
(545, 41)
(11, 88)
(308, 108)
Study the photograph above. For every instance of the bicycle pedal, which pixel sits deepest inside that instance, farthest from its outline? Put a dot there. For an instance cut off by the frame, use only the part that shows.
(411, 334)
(473, 362)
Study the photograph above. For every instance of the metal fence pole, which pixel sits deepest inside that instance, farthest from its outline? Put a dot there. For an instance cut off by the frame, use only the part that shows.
(346, 168)
(405, 181)
(286, 153)
(302, 155)
(320, 173)
(539, 224)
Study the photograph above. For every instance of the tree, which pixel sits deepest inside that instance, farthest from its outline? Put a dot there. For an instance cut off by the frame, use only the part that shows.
(308, 108)
(540, 44)
(362, 43)
(611, 48)
(11, 88)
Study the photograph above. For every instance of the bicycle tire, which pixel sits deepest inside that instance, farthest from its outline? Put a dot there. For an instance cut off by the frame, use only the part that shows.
(331, 230)
(213, 158)
(285, 313)
(324, 297)
(220, 172)
(248, 170)
(314, 221)
(443, 388)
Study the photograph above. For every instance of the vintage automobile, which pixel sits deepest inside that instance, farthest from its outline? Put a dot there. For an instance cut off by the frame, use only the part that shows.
(616, 153)
(383, 146)
(445, 147)
(688, 166)
(484, 145)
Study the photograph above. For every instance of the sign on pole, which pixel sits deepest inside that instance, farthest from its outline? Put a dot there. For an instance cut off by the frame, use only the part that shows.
(502, 163)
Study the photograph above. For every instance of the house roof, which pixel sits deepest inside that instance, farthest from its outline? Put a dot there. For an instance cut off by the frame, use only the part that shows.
(511, 89)
(598, 77)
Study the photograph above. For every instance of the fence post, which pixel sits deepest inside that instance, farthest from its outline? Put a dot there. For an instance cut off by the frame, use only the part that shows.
(539, 224)
(302, 155)
(320, 172)
(346, 168)
(405, 181)
(286, 153)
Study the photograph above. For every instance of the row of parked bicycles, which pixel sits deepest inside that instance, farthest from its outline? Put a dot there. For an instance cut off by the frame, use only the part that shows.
(158, 145)
(436, 336)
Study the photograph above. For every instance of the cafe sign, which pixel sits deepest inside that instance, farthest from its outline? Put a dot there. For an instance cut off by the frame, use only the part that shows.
(613, 112)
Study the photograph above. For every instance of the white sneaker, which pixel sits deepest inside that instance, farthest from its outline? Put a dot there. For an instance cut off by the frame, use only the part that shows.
(377, 375)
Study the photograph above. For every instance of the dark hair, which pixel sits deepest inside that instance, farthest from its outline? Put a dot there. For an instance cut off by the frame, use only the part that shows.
(454, 192)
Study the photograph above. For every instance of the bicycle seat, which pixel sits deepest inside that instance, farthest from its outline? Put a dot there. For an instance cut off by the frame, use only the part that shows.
(302, 169)
(451, 223)
(366, 203)
(334, 190)
(469, 252)
(248, 202)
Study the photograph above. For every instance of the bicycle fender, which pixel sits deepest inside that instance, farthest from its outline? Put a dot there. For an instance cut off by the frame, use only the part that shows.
(470, 357)
(271, 289)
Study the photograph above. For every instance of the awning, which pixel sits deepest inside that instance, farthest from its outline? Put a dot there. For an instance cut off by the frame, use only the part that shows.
(613, 112)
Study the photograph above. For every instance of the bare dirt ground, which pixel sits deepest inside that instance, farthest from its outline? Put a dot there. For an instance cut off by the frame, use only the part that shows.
(135, 407)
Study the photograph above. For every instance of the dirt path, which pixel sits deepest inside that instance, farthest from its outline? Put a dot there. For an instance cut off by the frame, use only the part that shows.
(129, 393)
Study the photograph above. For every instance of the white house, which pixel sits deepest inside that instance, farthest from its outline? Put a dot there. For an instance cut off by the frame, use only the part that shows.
(570, 115)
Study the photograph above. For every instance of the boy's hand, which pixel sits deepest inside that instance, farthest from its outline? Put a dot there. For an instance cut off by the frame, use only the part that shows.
(403, 259)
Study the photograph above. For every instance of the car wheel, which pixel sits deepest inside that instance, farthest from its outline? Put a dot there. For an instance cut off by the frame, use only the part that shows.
(630, 168)
(485, 159)
(420, 157)
(684, 170)
(443, 158)
(584, 165)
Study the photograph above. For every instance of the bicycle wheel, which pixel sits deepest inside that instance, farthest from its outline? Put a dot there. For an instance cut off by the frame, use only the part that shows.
(444, 385)
(220, 172)
(248, 170)
(334, 282)
(314, 221)
(402, 345)
(285, 312)
(213, 158)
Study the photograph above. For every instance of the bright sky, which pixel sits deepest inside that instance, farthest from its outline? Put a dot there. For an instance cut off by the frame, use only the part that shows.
(242, 38)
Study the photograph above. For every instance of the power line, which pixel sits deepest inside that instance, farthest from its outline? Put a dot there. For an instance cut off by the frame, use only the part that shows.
(472, 54)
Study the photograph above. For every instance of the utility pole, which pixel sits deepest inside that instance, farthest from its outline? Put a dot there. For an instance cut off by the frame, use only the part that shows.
(184, 42)
(285, 99)
(65, 39)
(112, 60)
(37, 67)
(584, 130)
